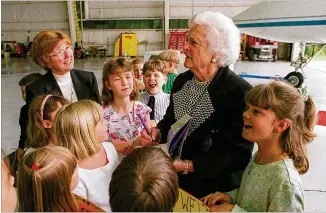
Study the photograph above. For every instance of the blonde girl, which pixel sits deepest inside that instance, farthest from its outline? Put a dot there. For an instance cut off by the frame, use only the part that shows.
(280, 120)
(40, 128)
(45, 180)
(121, 108)
(80, 127)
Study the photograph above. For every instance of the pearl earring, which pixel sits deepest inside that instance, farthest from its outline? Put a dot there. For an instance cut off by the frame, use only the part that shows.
(213, 60)
(275, 133)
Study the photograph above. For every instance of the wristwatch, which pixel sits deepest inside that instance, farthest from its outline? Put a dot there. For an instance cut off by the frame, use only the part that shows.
(185, 171)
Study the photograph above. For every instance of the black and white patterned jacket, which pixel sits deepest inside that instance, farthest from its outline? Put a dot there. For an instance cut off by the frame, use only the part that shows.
(215, 145)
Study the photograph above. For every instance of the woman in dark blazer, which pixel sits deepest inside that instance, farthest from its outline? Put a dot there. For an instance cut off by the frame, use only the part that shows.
(214, 154)
(53, 51)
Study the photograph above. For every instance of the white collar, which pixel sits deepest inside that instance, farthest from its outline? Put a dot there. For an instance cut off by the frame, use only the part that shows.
(156, 95)
(63, 78)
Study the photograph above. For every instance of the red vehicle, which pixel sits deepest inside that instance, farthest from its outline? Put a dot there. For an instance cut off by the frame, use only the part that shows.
(261, 49)
(14, 48)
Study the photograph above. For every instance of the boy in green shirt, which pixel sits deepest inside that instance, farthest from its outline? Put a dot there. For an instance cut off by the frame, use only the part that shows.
(171, 61)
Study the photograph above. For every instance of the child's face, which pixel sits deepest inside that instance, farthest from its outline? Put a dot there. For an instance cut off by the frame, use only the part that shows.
(259, 124)
(74, 179)
(154, 81)
(101, 130)
(138, 71)
(8, 191)
(22, 89)
(120, 84)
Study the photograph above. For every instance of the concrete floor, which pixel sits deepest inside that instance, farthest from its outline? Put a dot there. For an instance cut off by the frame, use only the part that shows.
(315, 187)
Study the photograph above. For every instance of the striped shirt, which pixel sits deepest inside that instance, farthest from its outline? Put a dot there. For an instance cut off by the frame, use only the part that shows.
(162, 101)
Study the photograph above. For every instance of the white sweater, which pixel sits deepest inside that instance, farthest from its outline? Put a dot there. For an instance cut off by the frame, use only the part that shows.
(94, 184)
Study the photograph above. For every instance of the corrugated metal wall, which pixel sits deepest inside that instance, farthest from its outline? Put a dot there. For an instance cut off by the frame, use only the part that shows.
(20, 17)
(17, 18)
(129, 10)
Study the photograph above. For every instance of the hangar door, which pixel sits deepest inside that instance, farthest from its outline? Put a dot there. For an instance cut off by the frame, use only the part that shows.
(19, 17)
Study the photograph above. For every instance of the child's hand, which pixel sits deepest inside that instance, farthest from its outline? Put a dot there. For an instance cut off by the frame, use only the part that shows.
(152, 139)
(221, 208)
(216, 198)
(122, 147)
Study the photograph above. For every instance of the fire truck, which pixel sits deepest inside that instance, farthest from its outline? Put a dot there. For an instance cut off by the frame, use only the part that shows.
(261, 49)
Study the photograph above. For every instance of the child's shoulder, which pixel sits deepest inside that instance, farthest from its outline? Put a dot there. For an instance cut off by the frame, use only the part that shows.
(285, 174)
(139, 106)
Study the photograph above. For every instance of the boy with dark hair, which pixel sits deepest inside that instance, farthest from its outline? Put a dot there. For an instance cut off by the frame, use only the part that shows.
(23, 117)
(154, 97)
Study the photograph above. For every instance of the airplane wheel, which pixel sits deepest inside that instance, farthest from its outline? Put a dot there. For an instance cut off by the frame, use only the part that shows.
(295, 78)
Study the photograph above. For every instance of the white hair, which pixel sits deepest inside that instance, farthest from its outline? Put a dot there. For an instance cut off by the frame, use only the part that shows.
(223, 36)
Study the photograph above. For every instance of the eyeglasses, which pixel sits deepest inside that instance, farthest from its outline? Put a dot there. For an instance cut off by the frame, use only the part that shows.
(61, 53)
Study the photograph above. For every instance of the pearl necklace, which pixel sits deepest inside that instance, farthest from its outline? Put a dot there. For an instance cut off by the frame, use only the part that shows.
(204, 82)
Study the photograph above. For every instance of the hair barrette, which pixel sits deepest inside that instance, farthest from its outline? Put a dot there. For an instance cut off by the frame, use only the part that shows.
(35, 167)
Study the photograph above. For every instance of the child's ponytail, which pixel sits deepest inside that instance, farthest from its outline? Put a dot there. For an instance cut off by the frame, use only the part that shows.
(44, 179)
(37, 189)
(310, 117)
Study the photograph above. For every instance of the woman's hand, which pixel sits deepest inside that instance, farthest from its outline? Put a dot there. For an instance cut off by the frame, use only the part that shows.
(180, 166)
(152, 139)
(216, 198)
(221, 208)
(122, 147)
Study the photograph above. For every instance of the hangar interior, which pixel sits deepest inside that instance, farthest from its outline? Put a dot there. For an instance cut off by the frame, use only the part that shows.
(95, 26)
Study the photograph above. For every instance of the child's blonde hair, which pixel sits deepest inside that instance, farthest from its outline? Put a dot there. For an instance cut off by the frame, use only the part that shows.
(44, 179)
(144, 181)
(288, 103)
(37, 135)
(137, 61)
(116, 66)
(156, 64)
(75, 126)
(170, 55)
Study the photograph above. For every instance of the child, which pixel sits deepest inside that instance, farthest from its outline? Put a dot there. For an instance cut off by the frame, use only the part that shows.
(80, 127)
(45, 180)
(138, 65)
(121, 109)
(23, 117)
(280, 120)
(154, 97)
(40, 128)
(145, 181)
(8, 191)
(171, 61)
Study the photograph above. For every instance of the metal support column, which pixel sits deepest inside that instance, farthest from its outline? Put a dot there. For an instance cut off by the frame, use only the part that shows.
(166, 31)
(72, 25)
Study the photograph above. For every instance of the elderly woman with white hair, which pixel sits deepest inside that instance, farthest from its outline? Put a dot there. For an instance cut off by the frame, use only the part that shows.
(214, 154)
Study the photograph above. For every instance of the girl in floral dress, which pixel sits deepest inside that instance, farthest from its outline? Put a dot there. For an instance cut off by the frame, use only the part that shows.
(125, 115)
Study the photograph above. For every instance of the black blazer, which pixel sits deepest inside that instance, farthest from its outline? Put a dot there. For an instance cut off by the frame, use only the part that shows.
(85, 84)
(216, 147)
